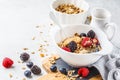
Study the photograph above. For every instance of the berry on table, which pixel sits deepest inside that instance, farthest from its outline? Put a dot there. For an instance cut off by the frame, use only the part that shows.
(66, 49)
(72, 46)
(35, 70)
(63, 71)
(24, 56)
(29, 64)
(83, 35)
(83, 72)
(53, 68)
(86, 42)
(7, 62)
(27, 73)
(91, 34)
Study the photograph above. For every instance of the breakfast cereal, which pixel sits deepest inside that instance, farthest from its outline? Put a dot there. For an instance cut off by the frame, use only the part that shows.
(80, 44)
(69, 9)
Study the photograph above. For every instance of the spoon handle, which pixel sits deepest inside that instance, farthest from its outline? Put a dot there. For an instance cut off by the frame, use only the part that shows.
(52, 16)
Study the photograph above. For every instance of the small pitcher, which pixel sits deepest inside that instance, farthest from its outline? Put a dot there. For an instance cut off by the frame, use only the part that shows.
(101, 18)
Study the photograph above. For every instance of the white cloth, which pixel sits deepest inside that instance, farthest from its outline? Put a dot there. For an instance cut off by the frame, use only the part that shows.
(109, 65)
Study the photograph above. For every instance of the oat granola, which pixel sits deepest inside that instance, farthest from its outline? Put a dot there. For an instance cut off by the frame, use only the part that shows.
(81, 44)
(69, 9)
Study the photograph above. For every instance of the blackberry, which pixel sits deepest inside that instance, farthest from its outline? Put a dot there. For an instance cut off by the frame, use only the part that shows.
(24, 56)
(91, 34)
(72, 46)
(35, 70)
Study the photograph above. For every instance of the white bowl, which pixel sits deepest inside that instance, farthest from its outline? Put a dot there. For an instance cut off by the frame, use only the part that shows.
(77, 60)
(64, 18)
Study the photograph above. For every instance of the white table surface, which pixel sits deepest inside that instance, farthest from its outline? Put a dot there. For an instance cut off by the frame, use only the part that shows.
(18, 21)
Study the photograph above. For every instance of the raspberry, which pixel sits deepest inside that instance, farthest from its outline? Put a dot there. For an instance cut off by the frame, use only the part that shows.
(83, 72)
(66, 49)
(86, 42)
(7, 62)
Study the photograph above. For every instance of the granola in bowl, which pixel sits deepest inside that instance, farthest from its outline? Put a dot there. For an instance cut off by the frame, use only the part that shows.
(69, 9)
(81, 44)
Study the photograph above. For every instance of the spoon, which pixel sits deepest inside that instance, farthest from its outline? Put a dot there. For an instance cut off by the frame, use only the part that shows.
(52, 16)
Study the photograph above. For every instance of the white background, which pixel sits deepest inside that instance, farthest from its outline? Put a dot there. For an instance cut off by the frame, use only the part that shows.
(18, 21)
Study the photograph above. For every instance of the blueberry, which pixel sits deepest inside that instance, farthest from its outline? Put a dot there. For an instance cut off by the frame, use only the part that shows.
(27, 73)
(53, 68)
(63, 71)
(82, 35)
(72, 46)
(29, 64)
(91, 34)
(35, 70)
(24, 56)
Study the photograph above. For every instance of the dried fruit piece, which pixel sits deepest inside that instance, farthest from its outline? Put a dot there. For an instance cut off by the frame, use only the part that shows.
(83, 72)
(7, 62)
(42, 55)
(86, 42)
(24, 56)
(66, 49)
(36, 70)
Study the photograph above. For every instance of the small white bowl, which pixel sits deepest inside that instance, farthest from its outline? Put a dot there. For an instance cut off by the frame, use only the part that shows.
(65, 18)
(77, 60)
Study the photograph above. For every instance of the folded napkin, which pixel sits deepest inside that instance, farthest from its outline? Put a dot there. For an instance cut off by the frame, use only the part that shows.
(109, 65)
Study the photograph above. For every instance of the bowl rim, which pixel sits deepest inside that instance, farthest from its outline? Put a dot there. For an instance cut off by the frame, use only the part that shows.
(93, 53)
(51, 6)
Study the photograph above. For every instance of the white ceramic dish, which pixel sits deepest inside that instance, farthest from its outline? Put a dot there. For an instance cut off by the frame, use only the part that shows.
(77, 60)
(64, 18)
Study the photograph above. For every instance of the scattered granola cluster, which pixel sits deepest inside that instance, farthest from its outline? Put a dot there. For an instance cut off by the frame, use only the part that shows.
(53, 59)
(80, 44)
(30, 69)
(69, 9)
